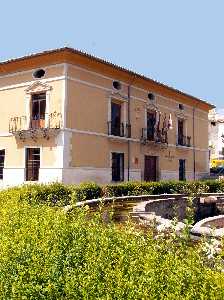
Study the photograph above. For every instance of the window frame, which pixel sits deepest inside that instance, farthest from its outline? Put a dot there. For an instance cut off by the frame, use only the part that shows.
(2, 164)
(25, 162)
(152, 136)
(124, 104)
(182, 178)
(120, 169)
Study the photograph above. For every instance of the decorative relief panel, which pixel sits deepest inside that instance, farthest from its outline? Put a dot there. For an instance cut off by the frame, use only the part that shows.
(38, 87)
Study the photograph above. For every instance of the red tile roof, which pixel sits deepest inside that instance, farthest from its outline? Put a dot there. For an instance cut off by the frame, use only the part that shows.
(103, 61)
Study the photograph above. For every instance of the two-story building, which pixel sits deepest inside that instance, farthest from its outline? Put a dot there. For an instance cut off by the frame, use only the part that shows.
(68, 116)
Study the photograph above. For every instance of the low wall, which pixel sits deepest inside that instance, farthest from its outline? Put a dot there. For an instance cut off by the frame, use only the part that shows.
(171, 207)
(137, 199)
(167, 206)
(211, 227)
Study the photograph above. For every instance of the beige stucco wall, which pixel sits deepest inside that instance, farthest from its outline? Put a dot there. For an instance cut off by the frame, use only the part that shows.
(13, 93)
(87, 96)
(13, 99)
(89, 99)
(87, 108)
(23, 77)
(15, 151)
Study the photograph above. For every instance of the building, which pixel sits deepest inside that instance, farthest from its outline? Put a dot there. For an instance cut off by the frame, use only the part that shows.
(216, 138)
(68, 116)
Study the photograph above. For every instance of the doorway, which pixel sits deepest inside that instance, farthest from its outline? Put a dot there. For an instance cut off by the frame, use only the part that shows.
(182, 175)
(150, 172)
(117, 166)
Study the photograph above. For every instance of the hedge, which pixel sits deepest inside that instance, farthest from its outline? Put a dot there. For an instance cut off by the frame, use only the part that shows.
(154, 188)
(163, 187)
(57, 194)
(51, 194)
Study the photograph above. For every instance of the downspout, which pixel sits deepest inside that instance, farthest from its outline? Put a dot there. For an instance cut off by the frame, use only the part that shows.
(129, 98)
(194, 153)
(129, 122)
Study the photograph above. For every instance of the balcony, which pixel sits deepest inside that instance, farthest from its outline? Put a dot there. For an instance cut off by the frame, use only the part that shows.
(44, 125)
(119, 129)
(156, 136)
(184, 141)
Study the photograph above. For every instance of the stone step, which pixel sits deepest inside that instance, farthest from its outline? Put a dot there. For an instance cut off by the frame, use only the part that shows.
(133, 213)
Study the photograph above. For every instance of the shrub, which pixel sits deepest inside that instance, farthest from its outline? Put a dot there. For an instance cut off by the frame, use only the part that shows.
(155, 188)
(195, 187)
(85, 191)
(46, 254)
(215, 186)
(168, 187)
(121, 189)
(57, 194)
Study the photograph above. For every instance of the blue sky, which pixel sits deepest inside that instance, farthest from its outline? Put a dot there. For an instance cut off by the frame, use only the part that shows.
(177, 42)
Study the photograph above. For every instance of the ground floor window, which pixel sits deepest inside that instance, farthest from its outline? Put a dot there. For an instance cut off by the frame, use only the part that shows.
(2, 161)
(182, 170)
(32, 164)
(117, 166)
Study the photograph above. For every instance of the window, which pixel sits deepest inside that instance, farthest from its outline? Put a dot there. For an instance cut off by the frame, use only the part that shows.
(39, 73)
(116, 85)
(2, 160)
(181, 106)
(222, 151)
(32, 164)
(151, 96)
(182, 140)
(151, 121)
(182, 175)
(213, 123)
(38, 110)
(117, 166)
(180, 132)
(117, 128)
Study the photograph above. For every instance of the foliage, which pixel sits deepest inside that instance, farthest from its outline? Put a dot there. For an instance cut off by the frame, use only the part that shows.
(85, 191)
(47, 254)
(58, 194)
(155, 188)
(55, 194)
(215, 186)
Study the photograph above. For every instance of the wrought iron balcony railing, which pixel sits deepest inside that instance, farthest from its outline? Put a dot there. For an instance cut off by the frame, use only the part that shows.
(148, 135)
(119, 129)
(183, 140)
(45, 121)
(157, 136)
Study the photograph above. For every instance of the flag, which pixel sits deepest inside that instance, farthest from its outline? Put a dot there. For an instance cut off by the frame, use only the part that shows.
(170, 122)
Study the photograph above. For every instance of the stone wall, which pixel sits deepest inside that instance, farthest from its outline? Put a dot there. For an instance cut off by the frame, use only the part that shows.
(170, 208)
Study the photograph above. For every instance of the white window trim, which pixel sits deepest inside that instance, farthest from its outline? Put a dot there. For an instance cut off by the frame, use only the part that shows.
(123, 107)
(36, 88)
(24, 157)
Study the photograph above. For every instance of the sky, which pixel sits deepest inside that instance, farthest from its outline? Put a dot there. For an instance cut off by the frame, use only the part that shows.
(177, 42)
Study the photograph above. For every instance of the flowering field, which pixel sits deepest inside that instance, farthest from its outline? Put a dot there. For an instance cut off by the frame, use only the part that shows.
(47, 254)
